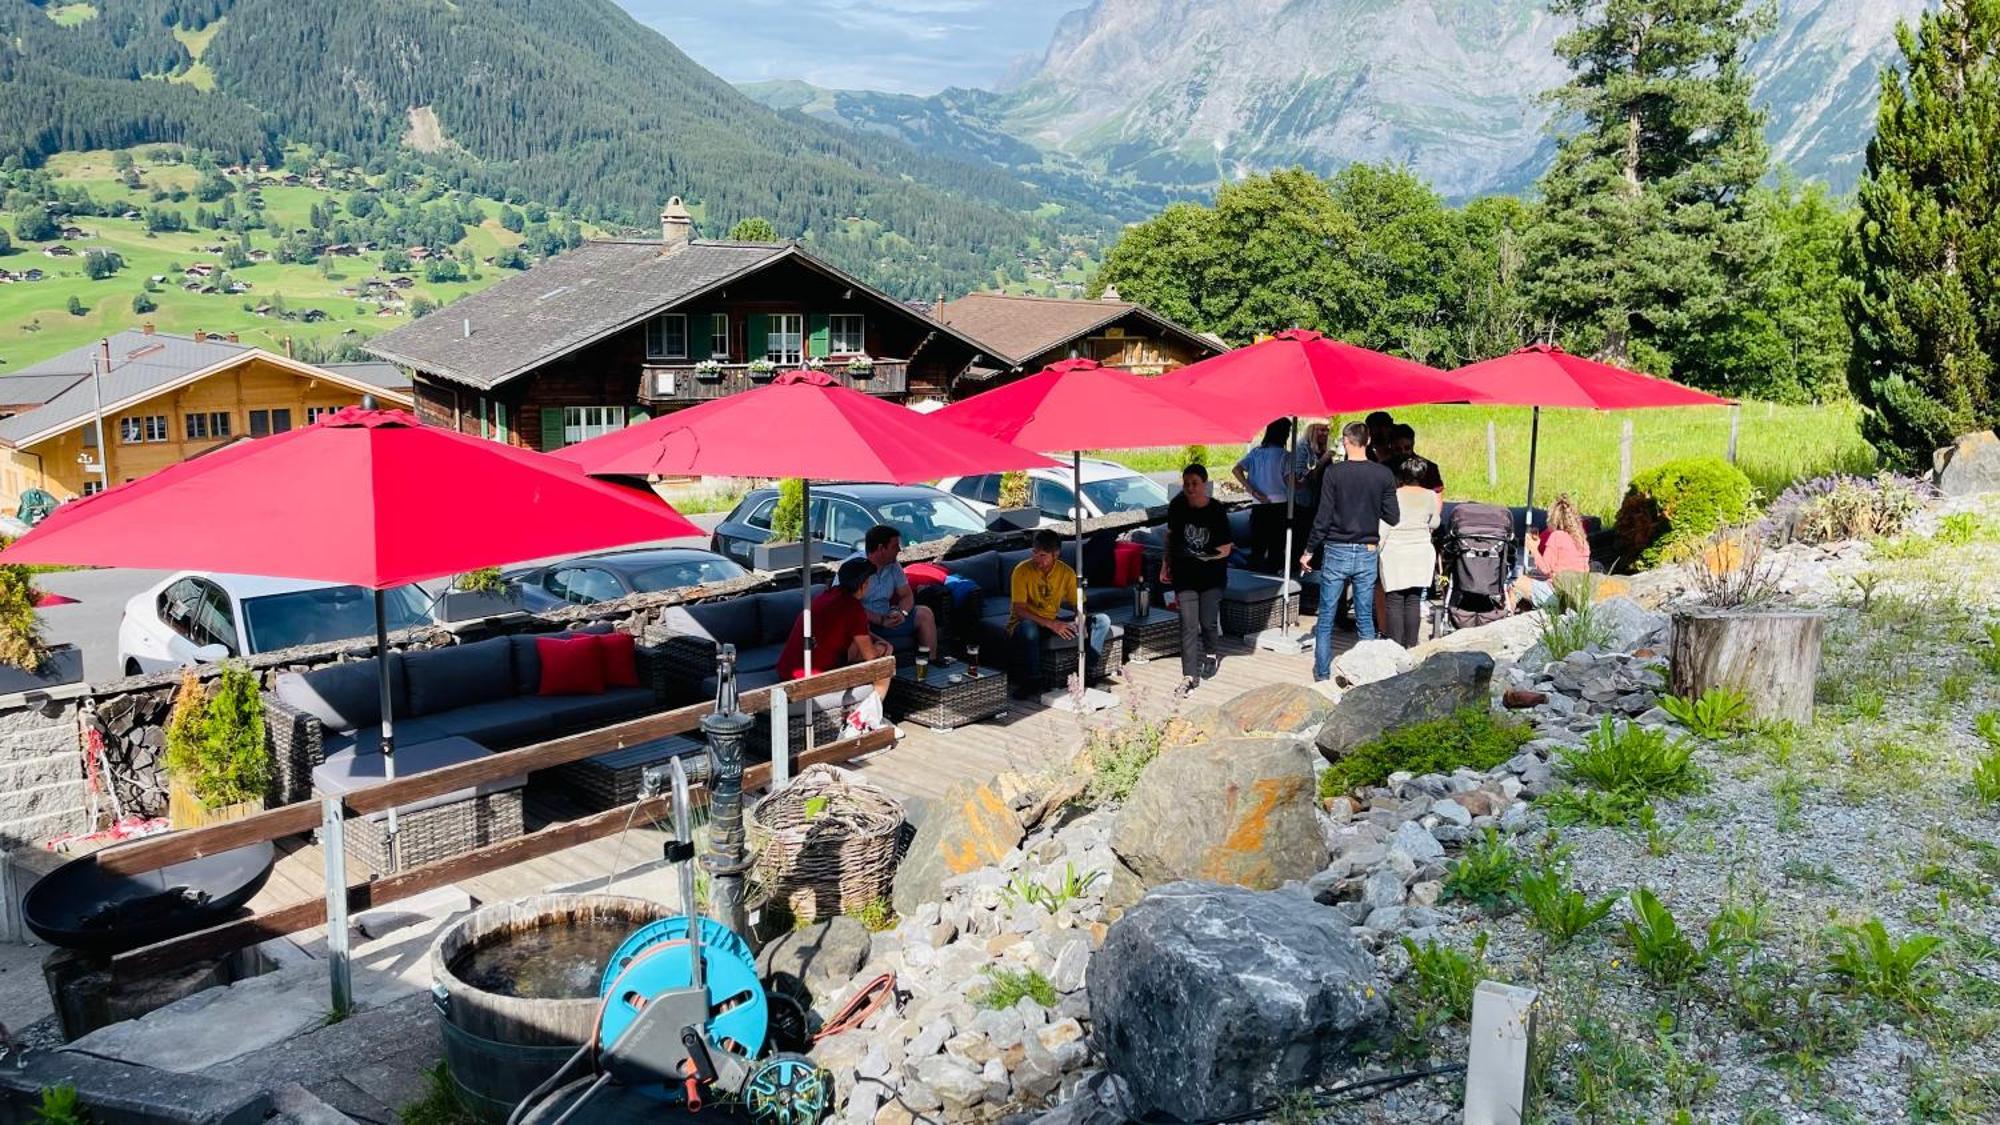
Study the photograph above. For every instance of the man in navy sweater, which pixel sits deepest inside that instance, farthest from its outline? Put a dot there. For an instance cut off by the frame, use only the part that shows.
(1357, 496)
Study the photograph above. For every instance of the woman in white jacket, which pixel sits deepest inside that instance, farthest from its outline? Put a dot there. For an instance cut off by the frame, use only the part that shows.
(1409, 556)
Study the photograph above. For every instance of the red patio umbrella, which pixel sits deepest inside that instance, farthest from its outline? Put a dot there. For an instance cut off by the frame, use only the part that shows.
(1078, 404)
(1302, 372)
(1545, 375)
(804, 424)
(363, 497)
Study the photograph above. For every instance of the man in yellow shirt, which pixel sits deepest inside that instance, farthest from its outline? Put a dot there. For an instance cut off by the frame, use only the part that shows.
(1042, 585)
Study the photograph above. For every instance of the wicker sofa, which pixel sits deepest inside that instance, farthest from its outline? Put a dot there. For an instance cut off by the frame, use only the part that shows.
(993, 573)
(757, 624)
(1249, 600)
(486, 692)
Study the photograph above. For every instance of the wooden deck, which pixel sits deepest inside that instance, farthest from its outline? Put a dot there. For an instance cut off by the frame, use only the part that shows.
(924, 763)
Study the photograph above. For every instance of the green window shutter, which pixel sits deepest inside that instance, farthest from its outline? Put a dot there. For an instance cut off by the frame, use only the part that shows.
(816, 331)
(552, 428)
(755, 342)
(635, 415)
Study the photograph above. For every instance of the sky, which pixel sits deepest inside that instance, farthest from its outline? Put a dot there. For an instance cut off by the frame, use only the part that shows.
(900, 46)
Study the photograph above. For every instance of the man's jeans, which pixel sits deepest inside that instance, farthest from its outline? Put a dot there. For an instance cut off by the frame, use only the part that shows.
(1028, 645)
(1343, 563)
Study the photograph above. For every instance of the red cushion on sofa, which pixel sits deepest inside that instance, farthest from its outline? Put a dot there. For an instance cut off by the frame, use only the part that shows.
(571, 667)
(925, 574)
(619, 652)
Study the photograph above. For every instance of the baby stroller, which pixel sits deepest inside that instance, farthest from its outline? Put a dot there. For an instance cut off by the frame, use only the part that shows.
(1476, 559)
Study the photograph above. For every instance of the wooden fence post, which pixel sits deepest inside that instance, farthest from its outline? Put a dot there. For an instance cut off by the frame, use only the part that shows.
(1625, 457)
(1735, 421)
(1492, 457)
(333, 845)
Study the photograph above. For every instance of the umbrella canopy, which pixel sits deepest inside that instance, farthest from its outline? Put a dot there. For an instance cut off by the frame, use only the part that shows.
(370, 498)
(1300, 372)
(1546, 375)
(804, 424)
(1078, 404)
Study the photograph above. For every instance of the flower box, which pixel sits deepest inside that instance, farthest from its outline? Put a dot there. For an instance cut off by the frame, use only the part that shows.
(62, 665)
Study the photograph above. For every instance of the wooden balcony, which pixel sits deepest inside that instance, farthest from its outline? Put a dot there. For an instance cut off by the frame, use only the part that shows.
(682, 383)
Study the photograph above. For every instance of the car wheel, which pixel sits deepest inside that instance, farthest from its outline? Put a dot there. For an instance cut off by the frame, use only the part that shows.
(132, 668)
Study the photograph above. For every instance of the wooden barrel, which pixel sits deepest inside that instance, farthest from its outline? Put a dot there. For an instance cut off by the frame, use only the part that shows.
(499, 1048)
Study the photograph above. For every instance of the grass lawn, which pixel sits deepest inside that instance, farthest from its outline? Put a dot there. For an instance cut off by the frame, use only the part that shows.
(1579, 449)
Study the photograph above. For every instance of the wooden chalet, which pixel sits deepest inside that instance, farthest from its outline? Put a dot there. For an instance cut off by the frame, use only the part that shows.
(1022, 335)
(619, 330)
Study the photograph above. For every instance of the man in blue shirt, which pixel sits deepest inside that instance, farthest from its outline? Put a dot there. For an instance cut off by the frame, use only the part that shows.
(891, 604)
(1266, 473)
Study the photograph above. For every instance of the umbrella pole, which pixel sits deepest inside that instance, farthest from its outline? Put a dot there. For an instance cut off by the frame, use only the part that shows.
(1291, 517)
(1534, 451)
(388, 719)
(806, 560)
(1082, 618)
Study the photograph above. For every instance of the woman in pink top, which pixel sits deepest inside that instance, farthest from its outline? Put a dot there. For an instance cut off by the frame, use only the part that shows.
(1561, 549)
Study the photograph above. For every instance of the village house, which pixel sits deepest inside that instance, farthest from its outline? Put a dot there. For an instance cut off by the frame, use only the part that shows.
(164, 399)
(1023, 334)
(58, 251)
(618, 330)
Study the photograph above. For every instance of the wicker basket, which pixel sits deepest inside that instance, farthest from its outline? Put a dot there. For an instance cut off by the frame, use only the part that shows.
(839, 860)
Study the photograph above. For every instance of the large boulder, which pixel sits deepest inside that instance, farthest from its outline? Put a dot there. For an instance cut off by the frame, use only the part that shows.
(1213, 1001)
(1630, 626)
(1969, 465)
(1441, 686)
(970, 827)
(821, 955)
(1370, 661)
(1279, 708)
(1238, 811)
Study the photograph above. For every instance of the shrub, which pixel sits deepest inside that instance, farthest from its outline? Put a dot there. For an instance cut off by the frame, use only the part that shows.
(788, 518)
(1669, 508)
(1118, 755)
(1005, 987)
(215, 738)
(1013, 489)
(1731, 572)
(1832, 508)
(21, 644)
(1474, 737)
(1624, 766)
(485, 580)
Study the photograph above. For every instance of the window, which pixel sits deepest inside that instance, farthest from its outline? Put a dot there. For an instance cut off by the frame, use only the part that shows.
(581, 423)
(785, 339)
(925, 516)
(760, 516)
(718, 336)
(849, 525)
(202, 427)
(330, 613)
(1124, 494)
(142, 428)
(984, 488)
(315, 413)
(264, 422)
(667, 337)
(844, 334)
(583, 585)
(92, 487)
(199, 612)
(1053, 499)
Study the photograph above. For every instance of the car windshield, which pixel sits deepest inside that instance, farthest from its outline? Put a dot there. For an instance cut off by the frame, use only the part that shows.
(684, 572)
(1124, 494)
(921, 519)
(332, 613)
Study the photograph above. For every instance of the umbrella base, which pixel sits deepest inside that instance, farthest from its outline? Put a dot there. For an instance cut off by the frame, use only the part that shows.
(1291, 642)
(1092, 700)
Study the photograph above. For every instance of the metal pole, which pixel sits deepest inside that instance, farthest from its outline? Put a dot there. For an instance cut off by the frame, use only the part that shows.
(1082, 618)
(1291, 516)
(726, 729)
(781, 738)
(388, 718)
(1735, 420)
(97, 419)
(690, 901)
(333, 845)
(1534, 451)
(806, 560)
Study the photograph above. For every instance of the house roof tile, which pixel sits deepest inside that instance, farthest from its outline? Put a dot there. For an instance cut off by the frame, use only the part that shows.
(1019, 328)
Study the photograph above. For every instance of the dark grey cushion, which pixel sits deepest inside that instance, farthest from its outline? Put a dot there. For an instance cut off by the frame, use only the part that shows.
(346, 696)
(1249, 586)
(1239, 526)
(514, 721)
(729, 621)
(527, 662)
(446, 679)
(409, 732)
(761, 658)
(567, 713)
(348, 771)
(983, 568)
(776, 613)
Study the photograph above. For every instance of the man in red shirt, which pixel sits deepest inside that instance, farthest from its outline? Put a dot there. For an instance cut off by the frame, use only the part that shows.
(840, 629)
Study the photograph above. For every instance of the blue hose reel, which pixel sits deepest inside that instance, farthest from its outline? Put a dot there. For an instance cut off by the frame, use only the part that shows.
(653, 962)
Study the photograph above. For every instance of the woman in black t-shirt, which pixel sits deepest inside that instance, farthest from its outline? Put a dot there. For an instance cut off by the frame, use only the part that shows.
(1195, 569)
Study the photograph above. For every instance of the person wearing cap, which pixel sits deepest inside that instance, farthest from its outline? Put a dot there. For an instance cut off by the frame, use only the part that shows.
(840, 629)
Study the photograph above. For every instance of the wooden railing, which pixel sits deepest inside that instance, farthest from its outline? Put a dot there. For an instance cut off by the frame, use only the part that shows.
(160, 851)
(685, 382)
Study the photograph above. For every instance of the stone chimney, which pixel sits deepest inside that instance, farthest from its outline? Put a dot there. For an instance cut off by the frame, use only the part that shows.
(146, 329)
(676, 226)
(1110, 293)
(231, 337)
(200, 337)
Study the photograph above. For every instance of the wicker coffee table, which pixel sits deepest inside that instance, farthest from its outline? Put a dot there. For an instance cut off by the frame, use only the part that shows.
(609, 780)
(1154, 637)
(947, 697)
(440, 827)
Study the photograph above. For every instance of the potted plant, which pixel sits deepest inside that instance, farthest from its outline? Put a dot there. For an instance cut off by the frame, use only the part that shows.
(815, 363)
(1012, 512)
(785, 548)
(218, 764)
(27, 661)
(860, 367)
(478, 594)
(708, 370)
(762, 368)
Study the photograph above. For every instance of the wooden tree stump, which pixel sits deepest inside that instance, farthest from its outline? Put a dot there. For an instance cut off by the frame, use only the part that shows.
(1771, 656)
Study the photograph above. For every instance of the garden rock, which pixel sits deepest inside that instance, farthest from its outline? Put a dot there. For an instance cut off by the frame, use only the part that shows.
(1631, 625)
(1279, 708)
(1211, 1001)
(1969, 465)
(1439, 687)
(823, 953)
(970, 827)
(1240, 811)
(1369, 662)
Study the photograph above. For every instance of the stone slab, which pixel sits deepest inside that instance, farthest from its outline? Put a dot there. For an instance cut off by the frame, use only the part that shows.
(120, 1093)
(440, 905)
(374, 1059)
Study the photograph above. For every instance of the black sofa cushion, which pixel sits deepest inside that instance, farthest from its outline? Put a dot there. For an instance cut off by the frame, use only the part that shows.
(984, 569)
(776, 611)
(446, 679)
(345, 696)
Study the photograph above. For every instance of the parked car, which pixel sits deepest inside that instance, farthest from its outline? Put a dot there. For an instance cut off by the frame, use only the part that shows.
(1107, 487)
(616, 574)
(842, 514)
(197, 617)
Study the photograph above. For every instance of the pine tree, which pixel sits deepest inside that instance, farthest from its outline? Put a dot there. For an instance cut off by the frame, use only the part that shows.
(1926, 311)
(1648, 232)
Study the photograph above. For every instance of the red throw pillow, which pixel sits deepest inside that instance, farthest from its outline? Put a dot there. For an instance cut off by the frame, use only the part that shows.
(621, 661)
(570, 667)
(925, 574)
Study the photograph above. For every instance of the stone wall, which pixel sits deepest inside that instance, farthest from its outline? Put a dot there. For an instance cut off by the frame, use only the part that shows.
(41, 773)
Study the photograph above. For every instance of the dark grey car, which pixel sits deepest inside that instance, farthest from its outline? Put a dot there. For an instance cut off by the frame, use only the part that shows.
(842, 514)
(616, 574)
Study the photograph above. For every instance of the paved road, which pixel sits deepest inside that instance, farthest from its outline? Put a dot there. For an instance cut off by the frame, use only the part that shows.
(92, 623)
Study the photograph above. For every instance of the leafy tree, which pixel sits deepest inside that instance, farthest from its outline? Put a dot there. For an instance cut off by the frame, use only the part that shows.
(440, 270)
(395, 260)
(234, 256)
(6, 243)
(164, 220)
(1926, 310)
(36, 225)
(75, 305)
(1801, 297)
(1494, 314)
(100, 264)
(512, 219)
(212, 186)
(363, 204)
(1159, 263)
(1648, 237)
(142, 303)
(421, 306)
(511, 258)
(1403, 233)
(753, 230)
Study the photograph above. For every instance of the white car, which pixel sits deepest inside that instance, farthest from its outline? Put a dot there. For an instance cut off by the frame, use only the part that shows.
(1107, 487)
(197, 617)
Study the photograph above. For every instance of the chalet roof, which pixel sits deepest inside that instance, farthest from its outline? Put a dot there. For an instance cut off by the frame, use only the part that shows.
(1019, 328)
(142, 365)
(23, 390)
(375, 373)
(562, 304)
